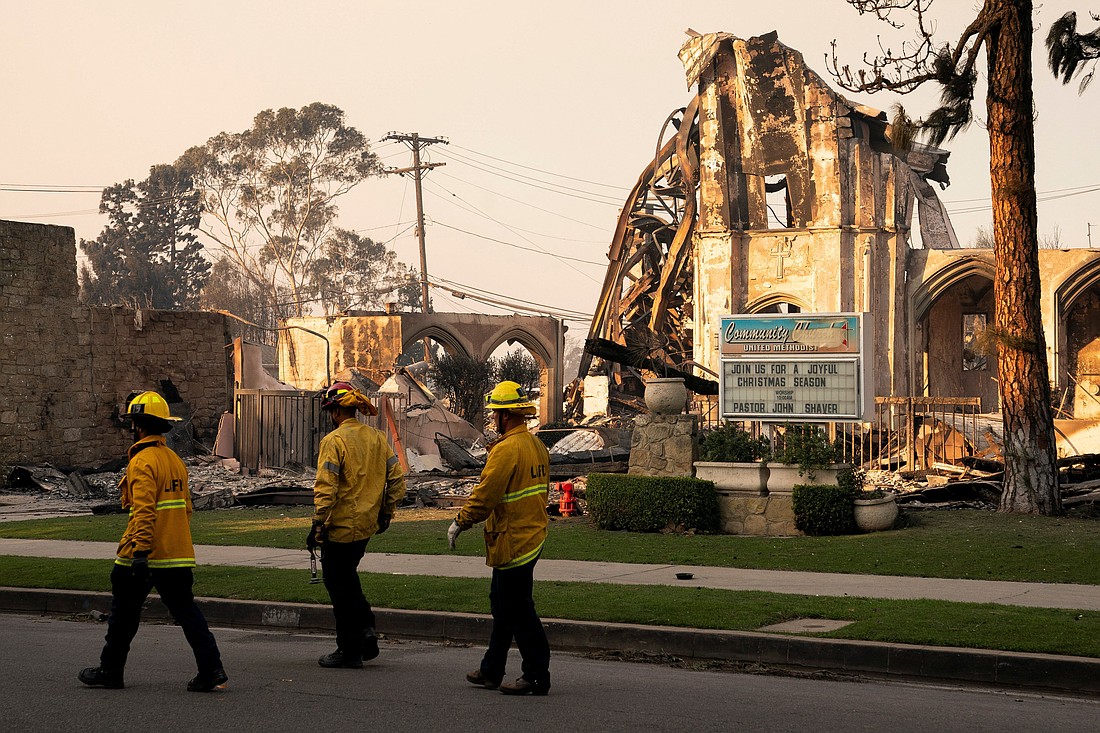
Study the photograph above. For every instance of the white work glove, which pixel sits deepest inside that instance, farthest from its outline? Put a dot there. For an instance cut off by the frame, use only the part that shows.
(452, 534)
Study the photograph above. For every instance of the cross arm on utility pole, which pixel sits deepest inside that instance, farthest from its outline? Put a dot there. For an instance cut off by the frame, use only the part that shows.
(411, 169)
(415, 138)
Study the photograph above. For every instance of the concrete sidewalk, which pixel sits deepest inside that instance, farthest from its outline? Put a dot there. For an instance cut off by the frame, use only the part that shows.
(749, 650)
(1035, 595)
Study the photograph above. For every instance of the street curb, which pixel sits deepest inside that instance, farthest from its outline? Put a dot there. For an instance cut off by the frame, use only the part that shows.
(901, 661)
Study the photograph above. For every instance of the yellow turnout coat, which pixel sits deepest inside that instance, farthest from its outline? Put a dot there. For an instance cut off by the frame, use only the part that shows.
(358, 476)
(511, 498)
(155, 491)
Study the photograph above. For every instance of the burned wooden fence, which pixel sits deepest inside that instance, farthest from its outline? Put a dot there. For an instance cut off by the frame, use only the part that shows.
(283, 429)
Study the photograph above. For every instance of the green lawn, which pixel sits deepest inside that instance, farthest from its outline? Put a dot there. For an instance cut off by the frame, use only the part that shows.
(957, 544)
(945, 544)
(984, 626)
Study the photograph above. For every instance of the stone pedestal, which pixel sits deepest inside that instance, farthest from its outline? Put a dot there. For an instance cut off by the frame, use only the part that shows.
(756, 513)
(664, 445)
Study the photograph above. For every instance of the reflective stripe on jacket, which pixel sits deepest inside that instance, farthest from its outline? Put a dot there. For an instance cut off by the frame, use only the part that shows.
(156, 492)
(511, 498)
(357, 477)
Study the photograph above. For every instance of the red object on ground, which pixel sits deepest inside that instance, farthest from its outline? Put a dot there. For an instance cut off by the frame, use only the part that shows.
(566, 505)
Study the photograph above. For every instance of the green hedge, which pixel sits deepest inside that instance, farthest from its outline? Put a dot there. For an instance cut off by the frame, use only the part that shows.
(823, 510)
(651, 503)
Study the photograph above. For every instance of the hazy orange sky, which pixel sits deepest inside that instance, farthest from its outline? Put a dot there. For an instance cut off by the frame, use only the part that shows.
(575, 92)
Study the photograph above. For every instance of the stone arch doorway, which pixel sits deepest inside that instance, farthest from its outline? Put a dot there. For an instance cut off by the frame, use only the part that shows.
(953, 354)
(550, 377)
(372, 343)
(1077, 343)
(452, 342)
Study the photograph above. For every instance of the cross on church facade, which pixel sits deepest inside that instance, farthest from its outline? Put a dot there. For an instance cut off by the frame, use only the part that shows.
(781, 251)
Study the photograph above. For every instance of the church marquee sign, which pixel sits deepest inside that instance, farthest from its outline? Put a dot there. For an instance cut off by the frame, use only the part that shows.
(805, 367)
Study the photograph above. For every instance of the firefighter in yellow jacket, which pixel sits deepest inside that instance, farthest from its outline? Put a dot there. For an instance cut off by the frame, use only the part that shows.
(155, 551)
(359, 483)
(511, 499)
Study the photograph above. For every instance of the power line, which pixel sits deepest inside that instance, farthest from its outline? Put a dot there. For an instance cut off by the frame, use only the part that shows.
(26, 189)
(490, 293)
(539, 170)
(574, 269)
(37, 186)
(463, 291)
(519, 246)
(384, 226)
(518, 201)
(1090, 186)
(612, 202)
(398, 235)
(602, 242)
(77, 212)
(1039, 199)
(571, 192)
(510, 227)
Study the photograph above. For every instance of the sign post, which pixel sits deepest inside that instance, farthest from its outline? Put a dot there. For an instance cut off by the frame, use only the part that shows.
(806, 367)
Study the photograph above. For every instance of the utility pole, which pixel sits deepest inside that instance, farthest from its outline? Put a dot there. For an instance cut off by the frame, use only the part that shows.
(417, 170)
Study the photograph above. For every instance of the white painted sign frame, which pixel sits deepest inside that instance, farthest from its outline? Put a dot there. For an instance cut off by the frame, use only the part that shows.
(780, 342)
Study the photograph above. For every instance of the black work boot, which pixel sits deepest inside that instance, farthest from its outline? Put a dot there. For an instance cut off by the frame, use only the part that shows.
(207, 681)
(340, 659)
(370, 644)
(99, 677)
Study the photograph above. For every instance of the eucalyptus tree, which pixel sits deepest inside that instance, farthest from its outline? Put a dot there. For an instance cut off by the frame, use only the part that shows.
(269, 195)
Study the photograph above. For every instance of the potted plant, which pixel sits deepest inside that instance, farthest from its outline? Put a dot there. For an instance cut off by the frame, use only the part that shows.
(734, 460)
(875, 509)
(808, 457)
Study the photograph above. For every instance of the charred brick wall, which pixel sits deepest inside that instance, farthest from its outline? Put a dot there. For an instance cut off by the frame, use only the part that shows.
(65, 368)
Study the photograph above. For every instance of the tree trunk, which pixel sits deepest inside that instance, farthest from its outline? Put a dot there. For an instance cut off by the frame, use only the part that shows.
(1030, 479)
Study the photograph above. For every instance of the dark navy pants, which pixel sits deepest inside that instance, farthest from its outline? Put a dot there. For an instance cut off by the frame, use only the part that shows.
(174, 586)
(340, 564)
(514, 617)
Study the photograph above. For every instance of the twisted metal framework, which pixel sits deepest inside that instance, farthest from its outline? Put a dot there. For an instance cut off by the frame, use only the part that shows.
(643, 315)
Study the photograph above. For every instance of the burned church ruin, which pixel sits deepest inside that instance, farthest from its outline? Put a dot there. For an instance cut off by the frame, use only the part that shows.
(772, 193)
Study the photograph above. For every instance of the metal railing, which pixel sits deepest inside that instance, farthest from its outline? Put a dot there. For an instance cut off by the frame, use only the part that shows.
(905, 433)
(913, 433)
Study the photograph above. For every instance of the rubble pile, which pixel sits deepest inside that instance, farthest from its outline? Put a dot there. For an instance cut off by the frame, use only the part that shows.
(48, 491)
(977, 484)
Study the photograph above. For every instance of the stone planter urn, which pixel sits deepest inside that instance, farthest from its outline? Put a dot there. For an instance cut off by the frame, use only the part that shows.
(875, 515)
(666, 395)
(749, 478)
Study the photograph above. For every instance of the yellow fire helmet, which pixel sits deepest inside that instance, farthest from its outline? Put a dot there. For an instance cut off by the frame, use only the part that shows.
(510, 396)
(149, 404)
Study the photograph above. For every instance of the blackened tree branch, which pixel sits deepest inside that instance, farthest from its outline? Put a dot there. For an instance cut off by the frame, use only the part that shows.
(1068, 51)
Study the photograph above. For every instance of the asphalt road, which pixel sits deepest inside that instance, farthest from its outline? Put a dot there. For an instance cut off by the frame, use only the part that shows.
(276, 685)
